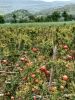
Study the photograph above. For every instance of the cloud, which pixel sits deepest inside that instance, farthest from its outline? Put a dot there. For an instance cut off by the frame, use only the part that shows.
(54, 0)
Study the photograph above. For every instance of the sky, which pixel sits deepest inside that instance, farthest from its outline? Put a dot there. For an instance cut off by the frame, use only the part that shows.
(55, 0)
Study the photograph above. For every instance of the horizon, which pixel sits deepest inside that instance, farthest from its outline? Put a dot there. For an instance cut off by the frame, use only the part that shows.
(7, 6)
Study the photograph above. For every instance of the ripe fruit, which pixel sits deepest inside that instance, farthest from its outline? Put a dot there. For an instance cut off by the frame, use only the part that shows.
(25, 60)
(36, 81)
(47, 73)
(20, 69)
(33, 75)
(19, 98)
(34, 49)
(43, 69)
(65, 47)
(4, 61)
(12, 98)
(24, 78)
(33, 89)
(17, 65)
(65, 77)
(34, 97)
(22, 59)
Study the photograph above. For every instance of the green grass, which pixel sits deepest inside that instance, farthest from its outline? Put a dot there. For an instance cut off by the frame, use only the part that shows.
(34, 24)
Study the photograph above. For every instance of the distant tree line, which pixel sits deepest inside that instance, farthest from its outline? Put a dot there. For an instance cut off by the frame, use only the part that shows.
(1, 19)
(55, 16)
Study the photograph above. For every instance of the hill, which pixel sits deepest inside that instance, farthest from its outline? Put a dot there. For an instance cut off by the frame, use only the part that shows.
(7, 6)
(20, 14)
(24, 15)
(69, 8)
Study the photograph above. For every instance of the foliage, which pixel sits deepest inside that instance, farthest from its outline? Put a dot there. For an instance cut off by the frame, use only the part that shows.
(1, 19)
(26, 59)
(55, 16)
(23, 16)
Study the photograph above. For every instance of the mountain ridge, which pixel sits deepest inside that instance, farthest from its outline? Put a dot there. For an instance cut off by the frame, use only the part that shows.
(69, 8)
(30, 5)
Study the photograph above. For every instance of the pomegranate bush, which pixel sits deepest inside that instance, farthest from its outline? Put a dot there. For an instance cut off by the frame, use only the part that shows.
(37, 63)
